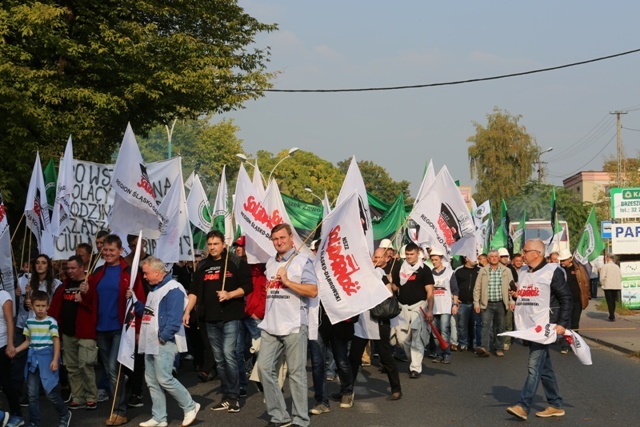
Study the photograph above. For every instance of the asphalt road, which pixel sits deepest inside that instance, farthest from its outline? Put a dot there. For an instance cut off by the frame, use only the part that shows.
(470, 391)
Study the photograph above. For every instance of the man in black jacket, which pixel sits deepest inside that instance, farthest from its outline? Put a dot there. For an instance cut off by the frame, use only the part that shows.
(219, 285)
(541, 287)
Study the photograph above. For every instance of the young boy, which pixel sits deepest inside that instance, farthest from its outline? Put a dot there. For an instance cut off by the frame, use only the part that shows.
(43, 360)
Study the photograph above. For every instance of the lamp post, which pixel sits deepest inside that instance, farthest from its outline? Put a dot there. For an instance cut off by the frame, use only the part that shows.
(170, 135)
(540, 170)
(291, 151)
(310, 191)
(244, 159)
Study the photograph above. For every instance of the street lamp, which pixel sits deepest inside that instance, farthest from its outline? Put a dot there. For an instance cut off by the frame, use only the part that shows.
(310, 191)
(244, 159)
(540, 170)
(291, 151)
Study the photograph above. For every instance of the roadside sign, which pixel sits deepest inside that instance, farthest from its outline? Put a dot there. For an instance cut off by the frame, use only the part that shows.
(625, 203)
(605, 229)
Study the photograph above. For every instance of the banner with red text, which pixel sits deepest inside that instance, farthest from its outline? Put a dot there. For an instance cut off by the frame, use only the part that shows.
(347, 282)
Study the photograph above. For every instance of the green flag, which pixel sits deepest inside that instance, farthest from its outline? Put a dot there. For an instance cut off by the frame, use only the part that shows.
(519, 235)
(50, 182)
(590, 245)
(488, 233)
(555, 225)
(502, 238)
(391, 220)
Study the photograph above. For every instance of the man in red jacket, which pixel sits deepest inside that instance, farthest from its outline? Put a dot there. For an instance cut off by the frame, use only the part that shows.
(73, 306)
(111, 283)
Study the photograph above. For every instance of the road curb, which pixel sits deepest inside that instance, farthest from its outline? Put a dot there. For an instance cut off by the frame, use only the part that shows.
(605, 343)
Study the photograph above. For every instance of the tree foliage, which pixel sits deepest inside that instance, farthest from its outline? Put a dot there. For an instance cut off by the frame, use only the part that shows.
(378, 181)
(87, 68)
(535, 199)
(204, 147)
(501, 157)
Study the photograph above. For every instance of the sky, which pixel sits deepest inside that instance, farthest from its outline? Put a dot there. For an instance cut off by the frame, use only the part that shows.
(356, 43)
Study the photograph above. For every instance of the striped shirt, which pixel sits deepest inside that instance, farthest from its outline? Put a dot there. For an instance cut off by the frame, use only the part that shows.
(41, 332)
(495, 284)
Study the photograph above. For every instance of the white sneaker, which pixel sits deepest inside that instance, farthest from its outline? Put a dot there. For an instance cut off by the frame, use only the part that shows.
(4, 418)
(153, 423)
(190, 416)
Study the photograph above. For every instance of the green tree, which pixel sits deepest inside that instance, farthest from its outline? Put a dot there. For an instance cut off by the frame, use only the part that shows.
(535, 198)
(88, 68)
(303, 169)
(630, 177)
(204, 146)
(378, 181)
(501, 157)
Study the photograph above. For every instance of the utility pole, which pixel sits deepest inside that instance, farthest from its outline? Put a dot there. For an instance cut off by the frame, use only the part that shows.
(540, 163)
(620, 153)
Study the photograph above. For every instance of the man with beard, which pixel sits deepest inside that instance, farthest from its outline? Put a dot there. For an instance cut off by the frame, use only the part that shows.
(414, 287)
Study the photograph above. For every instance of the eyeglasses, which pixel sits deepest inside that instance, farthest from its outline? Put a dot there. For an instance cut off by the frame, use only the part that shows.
(526, 251)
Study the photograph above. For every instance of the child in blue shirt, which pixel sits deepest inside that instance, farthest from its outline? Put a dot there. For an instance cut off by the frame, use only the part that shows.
(43, 360)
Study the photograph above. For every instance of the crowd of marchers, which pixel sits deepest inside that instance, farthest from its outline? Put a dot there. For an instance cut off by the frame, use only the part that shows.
(260, 324)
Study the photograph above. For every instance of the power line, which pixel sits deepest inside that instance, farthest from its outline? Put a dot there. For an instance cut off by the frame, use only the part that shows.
(587, 140)
(457, 82)
(593, 158)
(626, 128)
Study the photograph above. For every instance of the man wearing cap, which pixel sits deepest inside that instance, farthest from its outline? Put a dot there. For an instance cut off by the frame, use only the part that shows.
(578, 281)
(491, 298)
(415, 294)
(445, 301)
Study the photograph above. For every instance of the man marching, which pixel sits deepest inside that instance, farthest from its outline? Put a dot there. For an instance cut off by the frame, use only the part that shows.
(161, 338)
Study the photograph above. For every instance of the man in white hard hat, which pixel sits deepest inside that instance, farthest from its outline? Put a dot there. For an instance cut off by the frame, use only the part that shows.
(578, 281)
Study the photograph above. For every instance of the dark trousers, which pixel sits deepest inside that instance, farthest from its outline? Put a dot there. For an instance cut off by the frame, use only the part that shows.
(383, 346)
(576, 312)
(8, 385)
(340, 349)
(594, 287)
(612, 296)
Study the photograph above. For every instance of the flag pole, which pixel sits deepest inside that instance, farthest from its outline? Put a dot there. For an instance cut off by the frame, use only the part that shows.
(297, 251)
(17, 227)
(24, 240)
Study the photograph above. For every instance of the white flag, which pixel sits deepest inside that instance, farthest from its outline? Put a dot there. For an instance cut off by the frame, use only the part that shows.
(252, 218)
(6, 265)
(134, 207)
(257, 181)
(326, 206)
(275, 208)
(127, 349)
(62, 205)
(189, 182)
(174, 209)
(198, 206)
(221, 211)
(354, 181)
(423, 238)
(443, 214)
(480, 212)
(36, 210)
(347, 282)
(546, 334)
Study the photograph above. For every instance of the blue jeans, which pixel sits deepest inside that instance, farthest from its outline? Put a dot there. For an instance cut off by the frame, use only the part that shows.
(223, 337)
(294, 347)
(108, 345)
(33, 389)
(493, 324)
(318, 370)
(340, 349)
(160, 379)
(443, 323)
(476, 318)
(462, 323)
(250, 325)
(540, 370)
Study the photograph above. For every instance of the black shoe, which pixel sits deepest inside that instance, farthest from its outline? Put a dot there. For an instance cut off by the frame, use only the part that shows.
(224, 405)
(414, 375)
(234, 406)
(91, 404)
(25, 401)
(135, 401)
(272, 424)
(65, 392)
(243, 392)
(336, 396)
